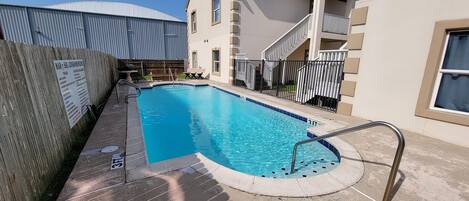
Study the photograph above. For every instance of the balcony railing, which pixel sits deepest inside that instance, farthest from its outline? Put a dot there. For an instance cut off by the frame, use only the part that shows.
(335, 24)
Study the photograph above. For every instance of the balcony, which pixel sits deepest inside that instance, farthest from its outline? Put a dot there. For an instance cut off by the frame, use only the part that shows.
(335, 24)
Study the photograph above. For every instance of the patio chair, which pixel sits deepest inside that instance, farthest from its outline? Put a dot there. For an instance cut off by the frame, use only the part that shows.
(200, 73)
(189, 73)
(194, 73)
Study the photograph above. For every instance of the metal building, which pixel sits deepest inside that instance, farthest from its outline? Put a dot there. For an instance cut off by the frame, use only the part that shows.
(133, 36)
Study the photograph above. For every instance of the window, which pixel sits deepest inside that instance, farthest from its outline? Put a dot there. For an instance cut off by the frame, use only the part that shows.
(444, 91)
(216, 11)
(216, 61)
(194, 60)
(452, 83)
(193, 22)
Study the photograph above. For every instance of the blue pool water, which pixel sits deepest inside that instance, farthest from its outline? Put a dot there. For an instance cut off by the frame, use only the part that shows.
(239, 134)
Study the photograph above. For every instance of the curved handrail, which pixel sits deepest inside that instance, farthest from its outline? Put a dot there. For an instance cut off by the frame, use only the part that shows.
(397, 156)
(171, 75)
(126, 82)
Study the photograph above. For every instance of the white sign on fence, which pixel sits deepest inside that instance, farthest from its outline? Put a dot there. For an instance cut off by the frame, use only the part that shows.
(72, 82)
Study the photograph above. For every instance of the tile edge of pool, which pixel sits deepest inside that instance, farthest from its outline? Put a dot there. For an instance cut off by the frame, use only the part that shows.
(349, 171)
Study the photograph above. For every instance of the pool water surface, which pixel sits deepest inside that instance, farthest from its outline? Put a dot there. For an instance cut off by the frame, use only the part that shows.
(232, 131)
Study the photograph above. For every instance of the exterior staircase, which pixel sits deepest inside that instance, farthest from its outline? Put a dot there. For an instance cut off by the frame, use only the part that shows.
(285, 45)
(290, 41)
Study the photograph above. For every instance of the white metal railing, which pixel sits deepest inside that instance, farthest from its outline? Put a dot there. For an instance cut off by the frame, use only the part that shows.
(289, 41)
(332, 55)
(325, 72)
(245, 70)
(335, 24)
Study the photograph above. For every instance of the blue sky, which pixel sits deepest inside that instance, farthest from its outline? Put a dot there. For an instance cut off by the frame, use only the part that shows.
(171, 7)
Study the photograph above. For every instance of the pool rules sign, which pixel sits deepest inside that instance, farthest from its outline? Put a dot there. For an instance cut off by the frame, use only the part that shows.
(73, 87)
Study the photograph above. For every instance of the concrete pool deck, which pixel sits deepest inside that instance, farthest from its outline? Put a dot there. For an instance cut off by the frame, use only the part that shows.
(348, 172)
(430, 169)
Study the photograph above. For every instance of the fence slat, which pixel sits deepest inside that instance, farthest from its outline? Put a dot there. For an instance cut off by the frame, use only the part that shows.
(35, 135)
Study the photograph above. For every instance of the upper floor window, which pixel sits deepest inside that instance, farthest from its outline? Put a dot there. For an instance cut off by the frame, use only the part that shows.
(452, 83)
(216, 11)
(193, 22)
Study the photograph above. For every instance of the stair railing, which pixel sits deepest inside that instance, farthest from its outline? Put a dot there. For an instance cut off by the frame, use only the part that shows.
(289, 41)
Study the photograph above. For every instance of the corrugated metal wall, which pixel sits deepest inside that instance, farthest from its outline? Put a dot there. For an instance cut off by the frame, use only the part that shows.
(57, 28)
(15, 25)
(107, 34)
(122, 37)
(176, 40)
(146, 38)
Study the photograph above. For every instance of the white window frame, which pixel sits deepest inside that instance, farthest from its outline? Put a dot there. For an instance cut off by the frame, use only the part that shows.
(214, 10)
(439, 76)
(214, 62)
(194, 21)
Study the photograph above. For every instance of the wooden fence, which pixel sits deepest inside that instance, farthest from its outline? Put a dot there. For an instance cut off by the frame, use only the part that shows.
(158, 68)
(34, 131)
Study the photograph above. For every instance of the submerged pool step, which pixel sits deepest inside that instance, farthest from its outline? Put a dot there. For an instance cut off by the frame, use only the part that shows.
(284, 172)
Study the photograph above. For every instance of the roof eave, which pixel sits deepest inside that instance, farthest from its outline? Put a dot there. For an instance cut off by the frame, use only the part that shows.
(187, 4)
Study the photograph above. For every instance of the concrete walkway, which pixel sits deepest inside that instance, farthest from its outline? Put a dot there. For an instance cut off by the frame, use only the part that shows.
(430, 169)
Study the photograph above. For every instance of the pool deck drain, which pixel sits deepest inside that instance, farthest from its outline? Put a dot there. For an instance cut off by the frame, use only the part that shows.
(430, 169)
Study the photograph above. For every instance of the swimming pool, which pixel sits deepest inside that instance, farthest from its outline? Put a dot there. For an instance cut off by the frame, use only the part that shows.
(235, 132)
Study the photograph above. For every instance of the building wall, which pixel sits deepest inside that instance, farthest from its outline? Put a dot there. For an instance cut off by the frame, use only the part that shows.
(339, 7)
(263, 22)
(299, 53)
(392, 60)
(120, 36)
(209, 37)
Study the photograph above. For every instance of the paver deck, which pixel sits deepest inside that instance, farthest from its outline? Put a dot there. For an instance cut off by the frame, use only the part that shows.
(430, 169)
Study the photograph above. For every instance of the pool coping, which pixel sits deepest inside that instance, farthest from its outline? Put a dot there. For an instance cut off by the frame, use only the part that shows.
(349, 171)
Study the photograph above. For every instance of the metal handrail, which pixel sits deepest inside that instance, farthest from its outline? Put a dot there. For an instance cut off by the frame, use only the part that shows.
(397, 156)
(171, 75)
(128, 83)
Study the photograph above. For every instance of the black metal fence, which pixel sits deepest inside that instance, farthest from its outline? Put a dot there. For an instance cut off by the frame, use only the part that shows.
(315, 83)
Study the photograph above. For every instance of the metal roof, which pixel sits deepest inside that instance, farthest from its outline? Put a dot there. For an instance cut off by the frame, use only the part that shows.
(121, 36)
(114, 8)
